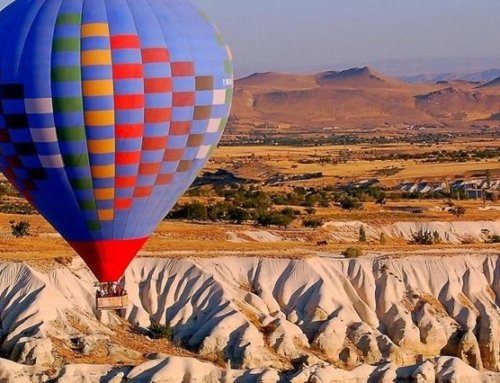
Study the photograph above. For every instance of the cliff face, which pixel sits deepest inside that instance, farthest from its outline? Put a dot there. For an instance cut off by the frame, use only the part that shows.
(314, 320)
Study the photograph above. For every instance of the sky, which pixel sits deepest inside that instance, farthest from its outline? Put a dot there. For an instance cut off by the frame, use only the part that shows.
(309, 35)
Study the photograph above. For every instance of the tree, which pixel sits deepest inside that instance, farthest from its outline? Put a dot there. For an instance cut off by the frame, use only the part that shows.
(312, 222)
(362, 234)
(159, 331)
(237, 215)
(458, 211)
(196, 211)
(425, 237)
(20, 229)
(273, 218)
(350, 203)
(436, 238)
(281, 220)
(288, 211)
(488, 178)
(352, 252)
(382, 239)
(217, 212)
(310, 210)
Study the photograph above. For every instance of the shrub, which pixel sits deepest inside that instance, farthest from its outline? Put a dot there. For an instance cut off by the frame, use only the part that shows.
(457, 211)
(237, 215)
(350, 203)
(425, 237)
(436, 238)
(382, 239)
(362, 234)
(20, 229)
(216, 212)
(159, 331)
(468, 240)
(196, 211)
(495, 238)
(220, 358)
(312, 222)
(310, 210)
(273, 218)
(352, 252)
(288, 211)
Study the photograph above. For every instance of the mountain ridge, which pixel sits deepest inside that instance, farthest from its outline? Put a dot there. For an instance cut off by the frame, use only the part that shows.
(478, 77)
(359, 97)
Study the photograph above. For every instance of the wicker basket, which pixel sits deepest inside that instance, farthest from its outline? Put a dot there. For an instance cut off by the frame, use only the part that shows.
(112, 303)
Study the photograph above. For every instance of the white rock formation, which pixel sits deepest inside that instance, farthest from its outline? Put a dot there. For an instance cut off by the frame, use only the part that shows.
(270, 319)
(449, 232)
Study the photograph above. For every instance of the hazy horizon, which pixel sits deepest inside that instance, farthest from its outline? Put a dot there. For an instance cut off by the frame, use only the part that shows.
(295, 36)
(398, 38)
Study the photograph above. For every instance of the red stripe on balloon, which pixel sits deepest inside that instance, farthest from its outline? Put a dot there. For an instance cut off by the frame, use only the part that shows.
(129, 101)
(123, 203)
(153, 115)
(157, 85)
(108, 259)
(182, 69)
(155, 55)
(127, 158)
(143, 191)
(4, 136)
(154, 143)
(124, 71)
(164, 179)
(180, 128)
(129, 130)
(149, 169)
(125, 182)
(125, 42)
(173, 155)
(183, 99)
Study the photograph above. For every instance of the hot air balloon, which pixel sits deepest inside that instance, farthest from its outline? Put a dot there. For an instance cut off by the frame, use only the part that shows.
(109, 109)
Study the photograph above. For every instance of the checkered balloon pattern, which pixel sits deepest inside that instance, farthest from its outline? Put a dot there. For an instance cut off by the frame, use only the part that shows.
(109, 109)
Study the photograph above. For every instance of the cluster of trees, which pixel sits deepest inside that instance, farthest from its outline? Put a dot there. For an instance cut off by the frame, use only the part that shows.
(425, 237)
(244, 203)
(16, 207)
(441, 155)
(349, 198)
(13, 206)
(258, 137)
(462, 155)
(220, 211)
(228, 212)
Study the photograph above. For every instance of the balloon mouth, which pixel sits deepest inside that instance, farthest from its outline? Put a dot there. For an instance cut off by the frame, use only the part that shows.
(108, 259)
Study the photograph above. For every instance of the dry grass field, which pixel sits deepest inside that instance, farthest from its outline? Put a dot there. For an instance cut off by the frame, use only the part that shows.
(175, 239)
(180, 238)
(258, 162)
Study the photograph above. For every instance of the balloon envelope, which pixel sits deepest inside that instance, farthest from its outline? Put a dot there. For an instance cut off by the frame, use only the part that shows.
(109, 109)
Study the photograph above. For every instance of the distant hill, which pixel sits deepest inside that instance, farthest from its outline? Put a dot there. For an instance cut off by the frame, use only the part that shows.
(272, 80)
(495, 83)
(365, 77)
(358, 97)
(477, 77)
